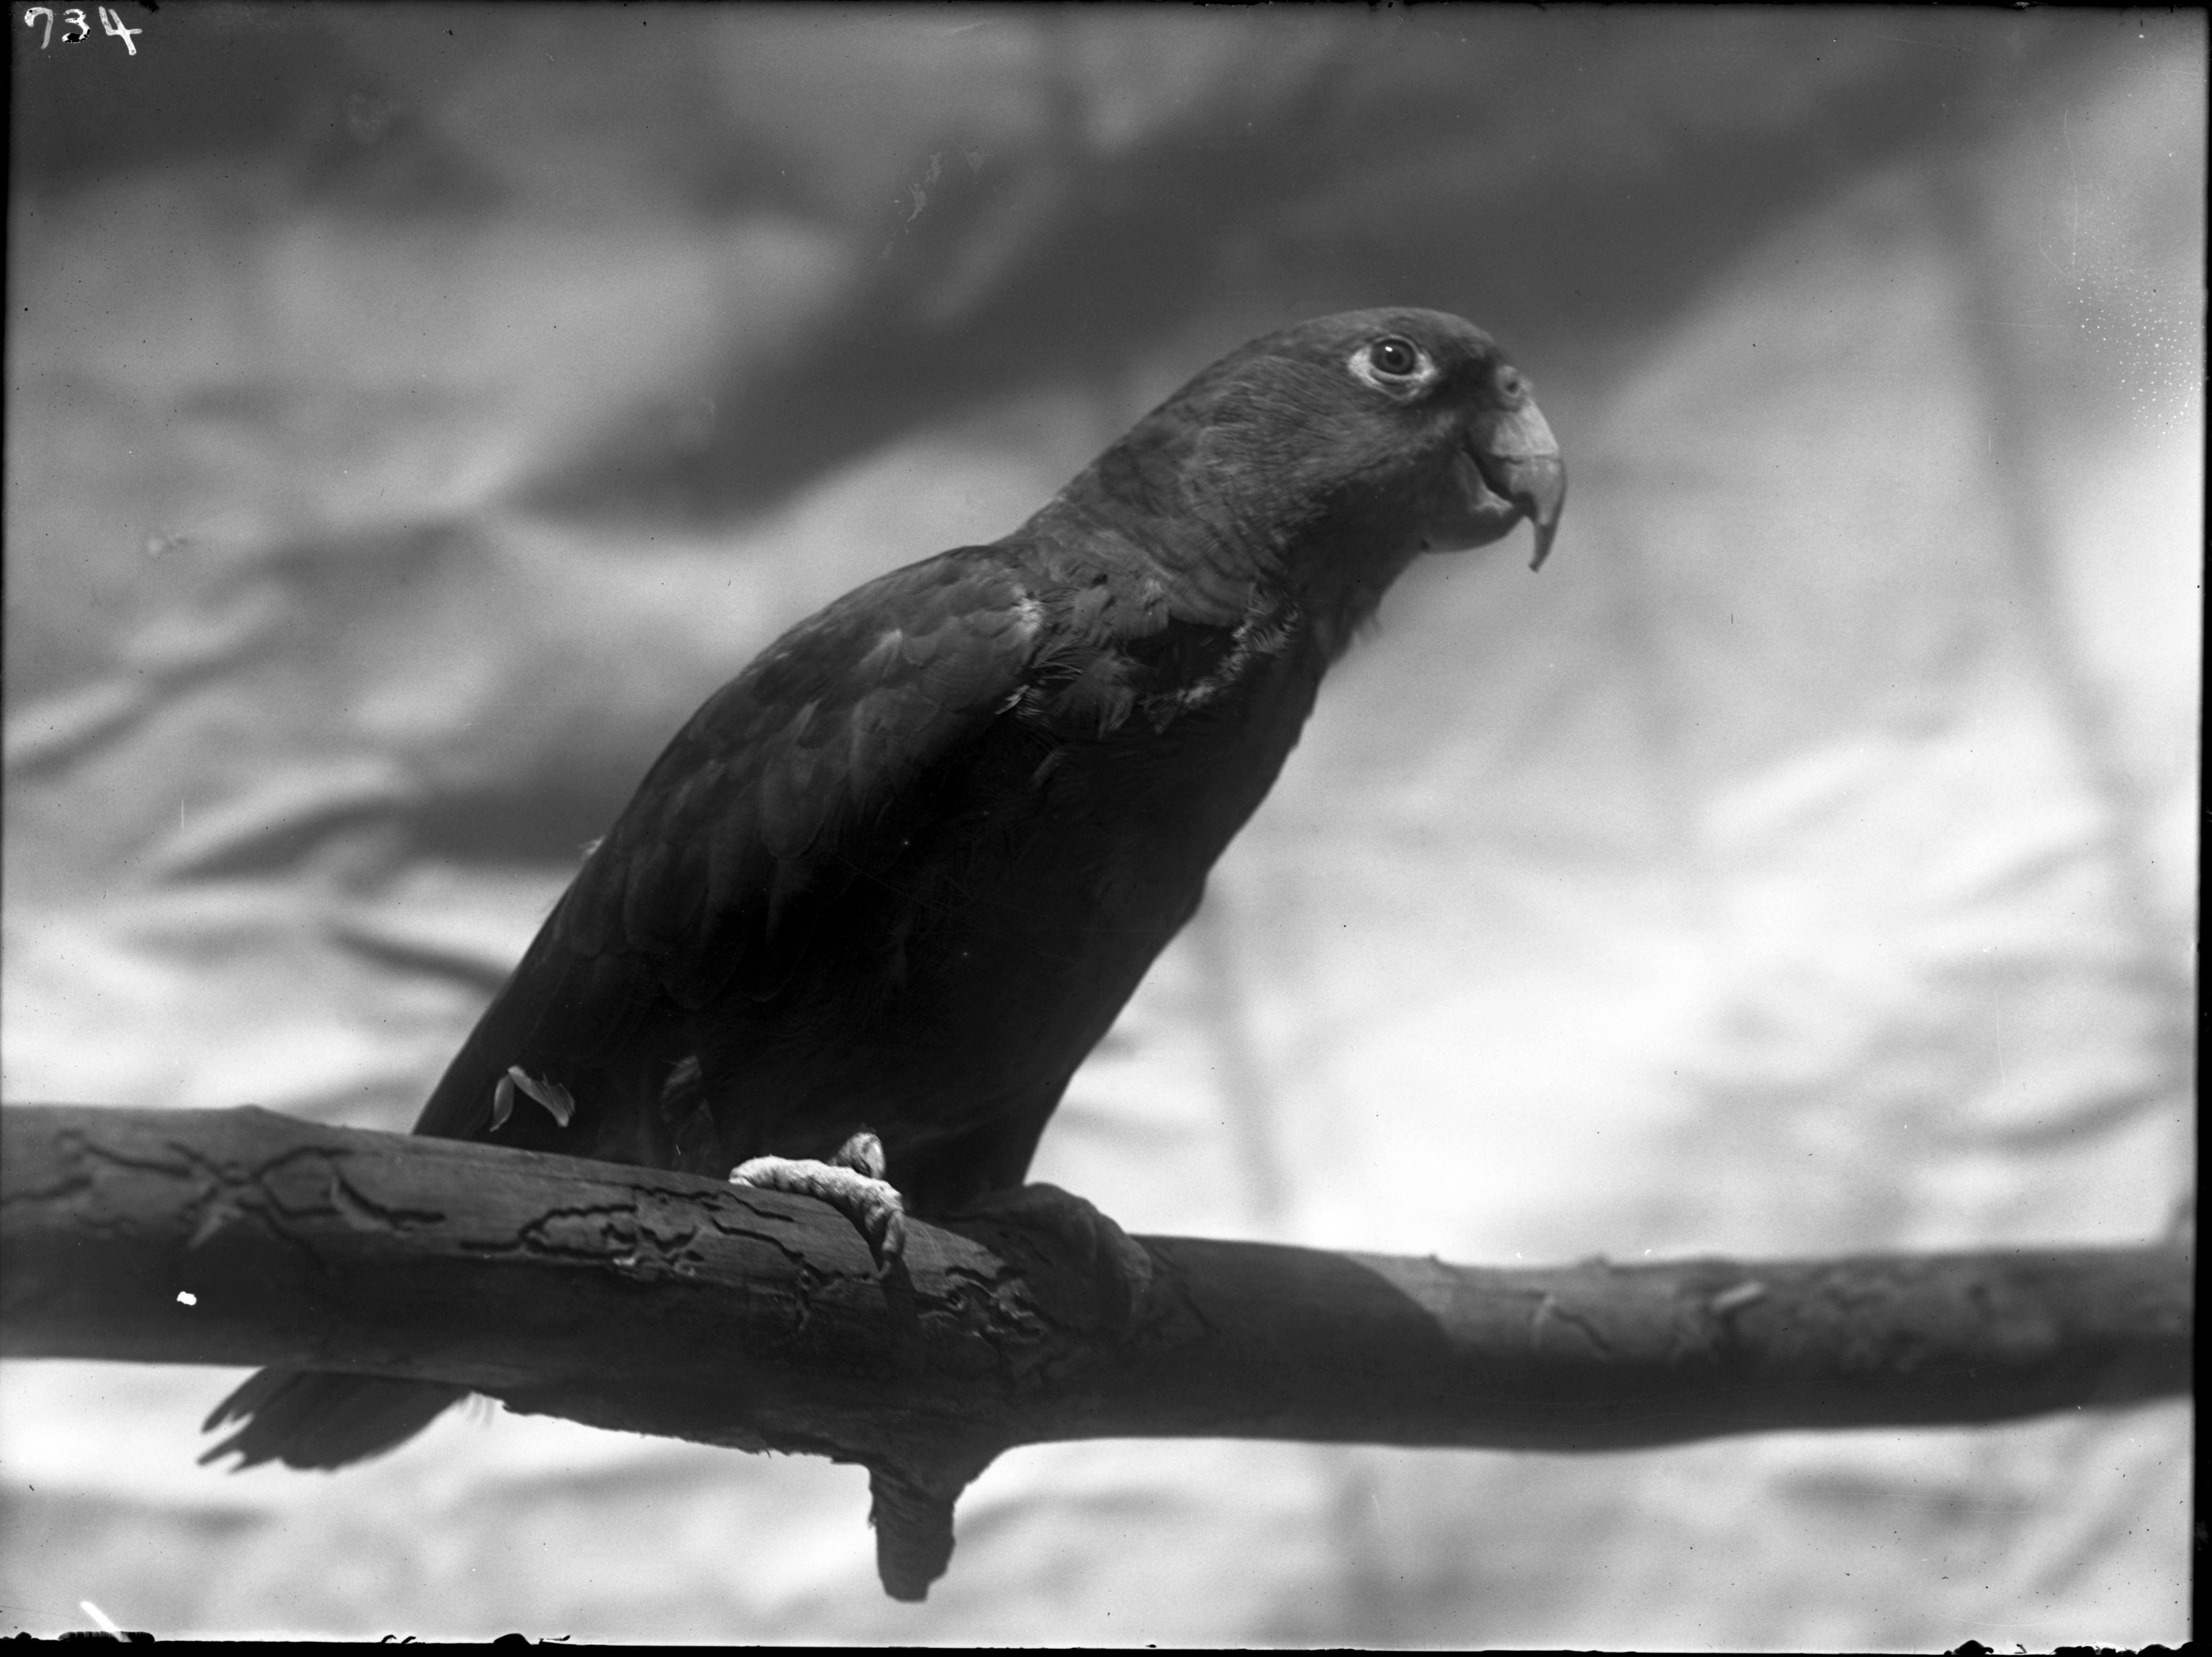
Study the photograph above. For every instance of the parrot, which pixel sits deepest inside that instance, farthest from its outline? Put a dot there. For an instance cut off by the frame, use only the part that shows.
(880, 897)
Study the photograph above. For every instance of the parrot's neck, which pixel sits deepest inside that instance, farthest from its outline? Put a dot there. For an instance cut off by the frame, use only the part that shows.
(1210, 550)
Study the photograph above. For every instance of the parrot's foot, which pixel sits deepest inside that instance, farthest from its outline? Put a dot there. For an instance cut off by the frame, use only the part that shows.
(1111, 1265)
(852, 1182)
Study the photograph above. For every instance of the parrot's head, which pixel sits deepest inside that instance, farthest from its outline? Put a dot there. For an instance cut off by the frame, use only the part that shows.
(1322, 460)
(1410, 430)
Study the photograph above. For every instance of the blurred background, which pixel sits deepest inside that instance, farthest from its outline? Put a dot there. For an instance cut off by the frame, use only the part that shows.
(414, 413)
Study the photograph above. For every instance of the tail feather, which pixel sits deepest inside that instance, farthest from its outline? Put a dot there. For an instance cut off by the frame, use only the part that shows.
(314, 1418)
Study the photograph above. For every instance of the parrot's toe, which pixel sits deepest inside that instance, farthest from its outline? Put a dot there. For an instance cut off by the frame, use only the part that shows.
(851, 1182)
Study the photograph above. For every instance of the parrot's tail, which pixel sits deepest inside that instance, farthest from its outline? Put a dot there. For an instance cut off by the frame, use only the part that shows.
(316, 1418)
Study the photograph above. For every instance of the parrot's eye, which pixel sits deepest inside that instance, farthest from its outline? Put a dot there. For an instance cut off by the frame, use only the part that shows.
(1395, 357)
(1394, 365)
(1510, 382)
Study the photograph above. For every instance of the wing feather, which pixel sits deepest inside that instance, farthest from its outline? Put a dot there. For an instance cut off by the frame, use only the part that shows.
(795, 775)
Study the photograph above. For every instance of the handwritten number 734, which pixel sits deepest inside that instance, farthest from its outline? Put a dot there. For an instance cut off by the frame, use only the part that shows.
(75, 28)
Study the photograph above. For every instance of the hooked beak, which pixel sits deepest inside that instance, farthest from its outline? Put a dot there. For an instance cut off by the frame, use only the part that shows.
(1519, 460)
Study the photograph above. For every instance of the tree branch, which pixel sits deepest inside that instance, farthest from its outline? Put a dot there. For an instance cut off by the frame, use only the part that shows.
(664, 1303)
